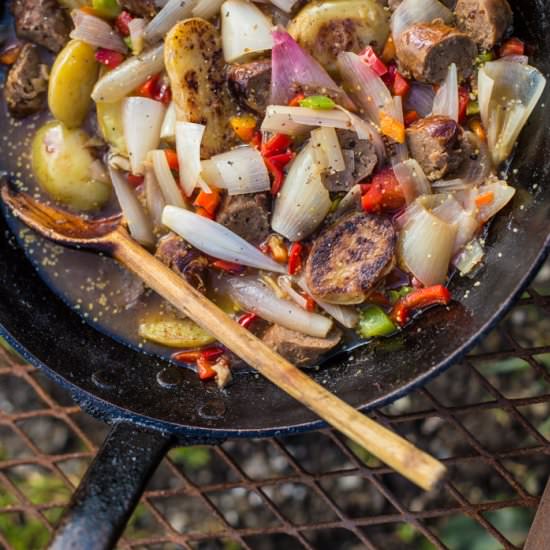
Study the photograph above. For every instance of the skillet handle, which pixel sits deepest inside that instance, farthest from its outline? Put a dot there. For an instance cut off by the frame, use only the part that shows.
(107, 495)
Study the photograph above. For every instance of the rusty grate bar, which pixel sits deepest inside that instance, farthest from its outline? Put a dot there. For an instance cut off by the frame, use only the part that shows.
(487, 419)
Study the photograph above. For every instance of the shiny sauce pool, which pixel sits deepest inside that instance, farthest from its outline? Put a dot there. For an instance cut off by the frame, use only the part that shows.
(101, 291)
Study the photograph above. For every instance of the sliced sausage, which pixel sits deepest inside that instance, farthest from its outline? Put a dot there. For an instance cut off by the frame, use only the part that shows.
(250, 84)
(435, 142)
(393, 4)
(360, 159)
(143, 8)
(485, 21)
(298, 348)
(182, 258)
(425, 50)
(348, 258)
(246, 215)
(26, 83)
(43, 22)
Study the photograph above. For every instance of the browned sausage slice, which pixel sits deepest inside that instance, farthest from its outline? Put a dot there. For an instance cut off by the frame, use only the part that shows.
(250, 83)
(485, 21)
(43, 22)
(349, 257)
(435, 142)
(246, 215)
(425, 50)
(185, 260)
(298, 348)
(26, 83)
(143, 8)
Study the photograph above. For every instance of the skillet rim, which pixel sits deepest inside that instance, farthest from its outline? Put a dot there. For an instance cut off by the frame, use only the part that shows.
(110, 413)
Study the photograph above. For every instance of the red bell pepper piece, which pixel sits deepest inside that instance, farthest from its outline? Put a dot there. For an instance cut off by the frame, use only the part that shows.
(172, 159)
(200, 211)
(295, 261)
(210, 354)
(368, 55)
(122, 21)
(419, 299)
(295, 101)
(275, 145)
(163, 93)
(310, 302)
(154, 88)
(411, 117)
(396, 82)
(228, 267)
(384, 193)
(514, 46)
(208, 201)
(401, 86)
(148, 88)
(247, 319)
(256, 140)
(135, 180)
(463, 101)
(275, 164)
(109, 58)
(204, 369)
(186, 356)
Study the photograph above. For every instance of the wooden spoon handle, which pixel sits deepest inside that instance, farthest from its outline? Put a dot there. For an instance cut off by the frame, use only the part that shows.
(390, 448)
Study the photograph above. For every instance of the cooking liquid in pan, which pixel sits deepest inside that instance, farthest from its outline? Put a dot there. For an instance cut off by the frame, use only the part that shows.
(102, 292)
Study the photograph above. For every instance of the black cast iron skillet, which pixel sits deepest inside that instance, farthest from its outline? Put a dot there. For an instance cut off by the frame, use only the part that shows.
(120, 386)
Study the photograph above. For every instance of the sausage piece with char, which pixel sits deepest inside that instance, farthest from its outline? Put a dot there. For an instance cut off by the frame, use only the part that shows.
(485, 21)
(298, 348)
(425, 51)
(182, 258)
(26, 83)
(250, 84)
(246, 215)
(143, 8)
(348, 258)
(360, 159)
(43, 22)
(435, 142)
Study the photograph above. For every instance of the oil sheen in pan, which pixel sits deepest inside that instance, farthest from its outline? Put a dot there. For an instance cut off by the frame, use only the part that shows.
(103, 293)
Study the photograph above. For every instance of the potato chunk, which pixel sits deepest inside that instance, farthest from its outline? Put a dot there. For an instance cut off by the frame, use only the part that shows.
(348, 258)
(175, 333)
(72, 80)
(62, 165)
(194, 62)
(326, 28)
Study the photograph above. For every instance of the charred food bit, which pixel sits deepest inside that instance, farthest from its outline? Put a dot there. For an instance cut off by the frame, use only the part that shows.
(143, 8)
(485, 21)
(183, 259)
(250, 84)
(246, 215)
(26, 83)
(436, 143)
(43, 22)
(298, 348)
(425, 50)
(348, 258)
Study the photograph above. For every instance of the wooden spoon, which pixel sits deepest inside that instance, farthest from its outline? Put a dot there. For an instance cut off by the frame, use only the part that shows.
(109, 235)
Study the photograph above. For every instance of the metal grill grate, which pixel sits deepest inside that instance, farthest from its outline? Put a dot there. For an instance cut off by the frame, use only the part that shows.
(488, 419)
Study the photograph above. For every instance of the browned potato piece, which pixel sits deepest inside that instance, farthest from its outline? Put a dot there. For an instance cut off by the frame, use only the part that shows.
(194, 62)
(349, 257)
